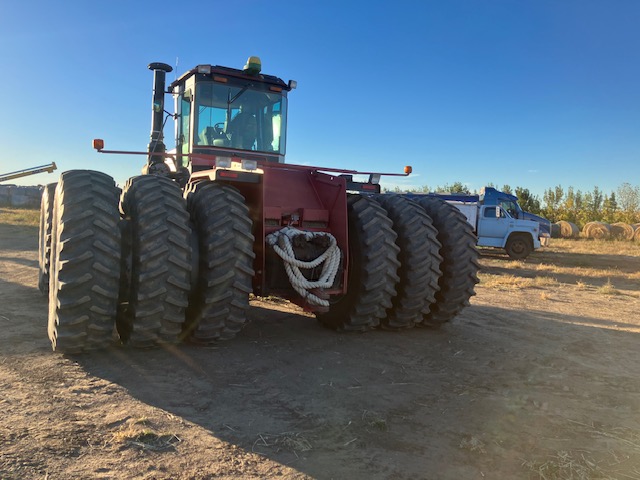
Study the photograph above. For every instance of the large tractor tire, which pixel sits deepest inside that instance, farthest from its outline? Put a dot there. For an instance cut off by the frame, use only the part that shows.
(420, 260)
(84, 262)
(372, 271)
(459, 261)
(158, 250)
(219, 301)
(44, 237)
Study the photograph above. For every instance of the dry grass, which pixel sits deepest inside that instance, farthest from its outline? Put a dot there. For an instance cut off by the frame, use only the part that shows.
(20, 216)
(473, 444)
(515, 282)
(292, 441)
(583, 263)
(585, 272)
(268, 299)
(373, 420)
(608, 289)
(597, 247)
(138, 433)
(565, 465)
(586, 465)
(514, 264)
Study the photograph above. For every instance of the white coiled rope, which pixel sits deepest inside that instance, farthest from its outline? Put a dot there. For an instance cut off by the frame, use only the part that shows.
(281, 243)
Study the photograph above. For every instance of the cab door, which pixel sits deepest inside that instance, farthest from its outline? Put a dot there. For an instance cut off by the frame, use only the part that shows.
(493, 226)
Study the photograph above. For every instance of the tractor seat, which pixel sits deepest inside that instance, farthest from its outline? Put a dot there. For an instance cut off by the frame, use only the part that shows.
(208, 136)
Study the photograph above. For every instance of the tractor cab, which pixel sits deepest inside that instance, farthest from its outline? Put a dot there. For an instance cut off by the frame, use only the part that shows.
(222, 111)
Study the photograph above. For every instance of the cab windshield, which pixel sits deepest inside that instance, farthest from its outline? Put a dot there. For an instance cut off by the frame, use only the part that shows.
(242, 117)
(511, 207)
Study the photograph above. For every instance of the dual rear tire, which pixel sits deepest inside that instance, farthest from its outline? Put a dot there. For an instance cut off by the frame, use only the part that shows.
(109, 258)
(410, 263)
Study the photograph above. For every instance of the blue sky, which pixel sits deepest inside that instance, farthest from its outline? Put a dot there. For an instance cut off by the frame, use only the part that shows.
(530, 93)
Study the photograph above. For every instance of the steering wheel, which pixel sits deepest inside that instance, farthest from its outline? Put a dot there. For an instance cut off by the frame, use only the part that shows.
(219, 129)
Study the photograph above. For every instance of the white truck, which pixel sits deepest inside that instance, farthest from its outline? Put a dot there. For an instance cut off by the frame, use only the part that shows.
(495, 227)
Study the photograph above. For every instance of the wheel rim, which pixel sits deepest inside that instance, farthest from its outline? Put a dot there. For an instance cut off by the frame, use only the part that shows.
(518, 247)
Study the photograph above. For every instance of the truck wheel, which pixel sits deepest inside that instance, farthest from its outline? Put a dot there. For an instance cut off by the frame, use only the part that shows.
(44, 237)
(459, 261)
(519, 246)
(373, 265)
(84, 262)
(153, 307)
(220, 298)
(419, 261)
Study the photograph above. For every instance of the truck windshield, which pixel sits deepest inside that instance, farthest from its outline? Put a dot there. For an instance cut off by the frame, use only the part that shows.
(242, 117)
(512, 207)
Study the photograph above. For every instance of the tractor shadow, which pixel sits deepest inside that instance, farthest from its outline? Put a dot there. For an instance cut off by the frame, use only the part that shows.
(348, 405)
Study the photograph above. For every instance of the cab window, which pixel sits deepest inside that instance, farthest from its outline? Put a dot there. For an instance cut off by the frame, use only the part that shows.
(185, 114)
(490, 212)
(246, 118)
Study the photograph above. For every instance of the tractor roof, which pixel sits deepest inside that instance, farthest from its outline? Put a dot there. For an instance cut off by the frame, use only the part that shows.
(227, 72)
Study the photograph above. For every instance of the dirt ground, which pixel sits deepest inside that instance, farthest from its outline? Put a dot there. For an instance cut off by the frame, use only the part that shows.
(539, 378)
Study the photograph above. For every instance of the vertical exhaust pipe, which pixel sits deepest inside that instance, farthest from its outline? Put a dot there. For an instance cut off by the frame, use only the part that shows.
(155, 163)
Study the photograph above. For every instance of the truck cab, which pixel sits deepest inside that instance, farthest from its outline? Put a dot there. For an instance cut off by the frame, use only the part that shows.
(496, 227)
(491, 196)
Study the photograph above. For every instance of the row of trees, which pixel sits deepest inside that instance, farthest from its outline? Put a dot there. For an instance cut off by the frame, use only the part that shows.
(572, 205)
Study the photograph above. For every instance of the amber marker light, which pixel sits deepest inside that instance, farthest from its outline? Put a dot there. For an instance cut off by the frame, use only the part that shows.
(98, 144)
(408, 169)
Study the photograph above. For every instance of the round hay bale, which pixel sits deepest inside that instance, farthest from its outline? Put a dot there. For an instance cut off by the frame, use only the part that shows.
(621, 231)
(596, 230)
(635, 226)
(636, 235)
(568, 229)
(556, 232)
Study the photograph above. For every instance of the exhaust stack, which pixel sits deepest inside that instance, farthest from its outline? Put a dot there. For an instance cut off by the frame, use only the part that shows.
(156, 145)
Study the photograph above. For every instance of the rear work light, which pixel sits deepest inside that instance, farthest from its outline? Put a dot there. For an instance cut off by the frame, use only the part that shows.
(223, 162)
(249, 164)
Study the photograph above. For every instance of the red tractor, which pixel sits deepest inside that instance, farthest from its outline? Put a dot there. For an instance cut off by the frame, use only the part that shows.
(175, 255)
